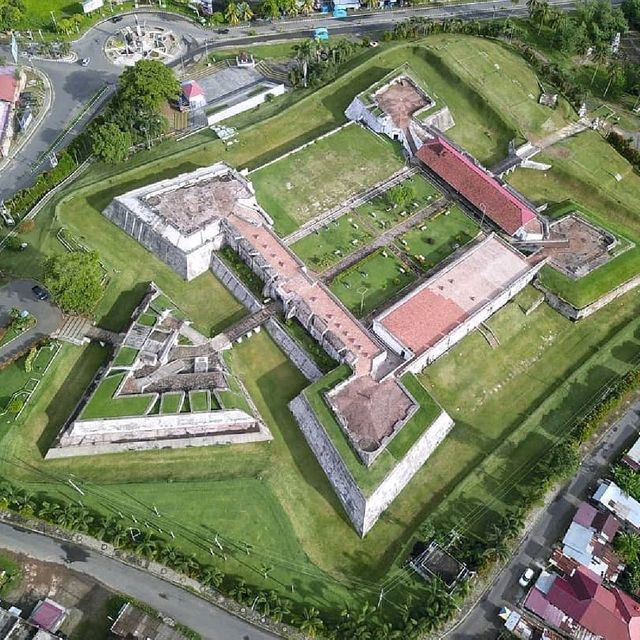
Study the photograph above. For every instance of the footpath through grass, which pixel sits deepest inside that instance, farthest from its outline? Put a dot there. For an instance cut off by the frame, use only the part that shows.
(584, 168)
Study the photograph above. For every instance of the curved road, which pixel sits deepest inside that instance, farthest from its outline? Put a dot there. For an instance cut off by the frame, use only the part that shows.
(211, 622)
(18, 294)
(74, 85)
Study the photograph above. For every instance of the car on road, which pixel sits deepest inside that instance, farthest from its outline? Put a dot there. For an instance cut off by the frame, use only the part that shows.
(526, 577)
(116, 19)
(40, 293)
(85, 62)
(222, 32)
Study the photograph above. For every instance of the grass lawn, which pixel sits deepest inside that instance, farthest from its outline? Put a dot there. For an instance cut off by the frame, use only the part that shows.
(379, 214)
(544, 373)
(171, 402)
(371, 282)
(329, 245)
(322, 359)
(318, 178)
(126, 357)
(102, 404)
(438, 237)
(14, 377)
(148, 319)
(199, 400)
(584, 168)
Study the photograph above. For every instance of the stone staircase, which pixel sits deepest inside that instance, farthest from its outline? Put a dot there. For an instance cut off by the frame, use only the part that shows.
(73, 329)
(271, 73)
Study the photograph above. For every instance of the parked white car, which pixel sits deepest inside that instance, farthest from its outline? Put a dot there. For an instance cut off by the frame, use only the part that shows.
(526, 577)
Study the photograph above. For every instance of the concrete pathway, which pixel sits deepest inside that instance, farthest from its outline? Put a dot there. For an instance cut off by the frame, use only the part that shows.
(383, 239)
(211, 622)
(18, 294)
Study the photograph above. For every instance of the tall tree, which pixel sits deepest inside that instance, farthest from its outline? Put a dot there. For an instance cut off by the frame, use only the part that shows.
(244, 12)
(110, 143)
(147, 85)
(232, 14)
(74, 280)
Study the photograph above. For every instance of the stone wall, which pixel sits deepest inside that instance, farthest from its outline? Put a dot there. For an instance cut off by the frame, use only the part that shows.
(187, 265)
(294, 351)
(234, 284)
(395, 481)
(364, 511)
(88, 437)
(245, 105)
(341, 480)
(575, 313)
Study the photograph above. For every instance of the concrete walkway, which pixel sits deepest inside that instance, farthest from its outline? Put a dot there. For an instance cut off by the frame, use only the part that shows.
(383, 239)
(18, 294)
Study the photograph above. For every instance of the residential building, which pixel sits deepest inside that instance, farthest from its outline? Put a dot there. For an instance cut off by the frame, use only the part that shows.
(588, 542)
(580, 606)
(11, 85)
(134, 623)
(193, 95)
(48, 615)
(632, 457)
(14, 627)
(624, 507)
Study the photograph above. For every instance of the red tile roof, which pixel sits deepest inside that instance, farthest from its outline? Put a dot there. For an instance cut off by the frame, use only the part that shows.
(192, 89)
(609, 613)
(474, 184)
(8, 87)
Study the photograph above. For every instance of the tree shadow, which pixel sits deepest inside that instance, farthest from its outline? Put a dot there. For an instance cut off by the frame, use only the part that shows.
(119, 314)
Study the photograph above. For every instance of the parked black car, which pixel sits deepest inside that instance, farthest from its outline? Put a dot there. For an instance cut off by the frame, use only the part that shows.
(116, 19)
(223, 31)
(40, 293)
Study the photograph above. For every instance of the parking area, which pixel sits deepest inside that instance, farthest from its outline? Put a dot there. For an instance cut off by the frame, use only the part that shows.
(18, 294)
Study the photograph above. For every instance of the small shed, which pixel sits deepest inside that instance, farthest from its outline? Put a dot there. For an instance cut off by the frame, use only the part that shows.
(193, 94)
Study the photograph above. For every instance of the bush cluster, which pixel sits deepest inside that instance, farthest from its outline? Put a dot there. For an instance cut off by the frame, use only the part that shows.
(624, 148)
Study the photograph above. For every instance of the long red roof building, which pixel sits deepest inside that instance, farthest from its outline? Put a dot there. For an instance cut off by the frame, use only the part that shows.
(478, 187)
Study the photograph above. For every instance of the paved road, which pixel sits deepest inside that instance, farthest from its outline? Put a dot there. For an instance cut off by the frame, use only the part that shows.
(550, 527)
(75, 85)
(203, 617)
(18, 294)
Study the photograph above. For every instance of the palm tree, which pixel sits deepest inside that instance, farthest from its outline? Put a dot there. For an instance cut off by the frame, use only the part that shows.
(148, 545)
(600, 55)
(232, 14)
(307, 7)
(244, 11)
(543, 14)
(212, 577)
(289, 7)
(372, 4)
(240, 592)
(533, 6)
(627, 545)
(49, 511)
(309, 621)
(616, 73)
(304, 52)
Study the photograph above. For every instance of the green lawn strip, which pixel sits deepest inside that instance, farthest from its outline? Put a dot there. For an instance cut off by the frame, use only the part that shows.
(318, 178)
(13, 331)
(322, 359)
(233, 397)
(171, 402)
(125, 357)
(378, 213)
(199, 400)
(148, 319)
(277, 50)
(333, 242)
(528, 297)
(102, 404)
(545, 370)
(585, 167)
(438, 237)
(421, 420)
(364, 293)
(251, 280)
(10, 574)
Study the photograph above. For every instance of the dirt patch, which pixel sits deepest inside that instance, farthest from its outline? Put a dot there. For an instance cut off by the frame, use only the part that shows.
(371, 409)
(85, 599)
(400, 101)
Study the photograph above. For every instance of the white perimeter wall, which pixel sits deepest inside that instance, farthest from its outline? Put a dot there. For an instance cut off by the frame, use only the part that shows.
(245, 105)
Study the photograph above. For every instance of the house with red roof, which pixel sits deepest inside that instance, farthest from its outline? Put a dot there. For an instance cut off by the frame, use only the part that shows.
(11, 84)
(579, 605)
(480, 189)
(48, 615)
(193, 94)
